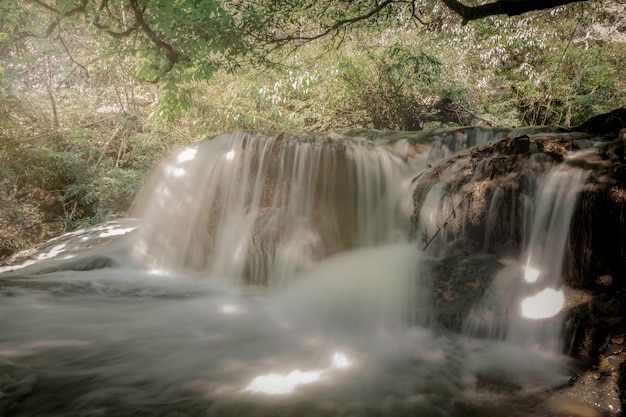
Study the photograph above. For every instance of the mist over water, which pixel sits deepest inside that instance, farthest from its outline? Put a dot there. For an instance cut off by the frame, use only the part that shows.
(266, 276)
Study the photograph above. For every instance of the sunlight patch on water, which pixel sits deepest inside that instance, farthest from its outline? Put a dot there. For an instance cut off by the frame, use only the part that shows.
(158, 272)
(340, 360)
(281, 384)
(276, 384)
(230, 155)
(545, 304)
(531, 274)
(229, 308)
(53, 252)
(187, 155)
(16, 267)
(116, 232)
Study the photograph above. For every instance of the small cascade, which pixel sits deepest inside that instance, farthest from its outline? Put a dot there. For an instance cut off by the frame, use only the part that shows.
(544, 260)
(442, 218)
(480, 198)
(523, 303)
(485, 196)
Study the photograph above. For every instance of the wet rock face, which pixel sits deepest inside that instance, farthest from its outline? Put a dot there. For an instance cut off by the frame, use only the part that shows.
(608, 124)
(491, 187)
(596, 246)
(460, 283)
(486, 191)
(596, 257)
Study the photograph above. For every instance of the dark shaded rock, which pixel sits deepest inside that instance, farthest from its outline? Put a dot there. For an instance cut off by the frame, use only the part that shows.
(605, 124)
(615, 150)
(592, 323)
(460, 282)
(514, 146)
(596, 246)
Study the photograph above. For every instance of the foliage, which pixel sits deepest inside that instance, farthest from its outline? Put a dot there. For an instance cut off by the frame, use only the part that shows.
(391, 86)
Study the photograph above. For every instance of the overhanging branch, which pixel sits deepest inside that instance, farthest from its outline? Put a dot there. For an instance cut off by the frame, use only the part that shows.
(80, 8)
(337, 25)
(506, 7)
(171, 54)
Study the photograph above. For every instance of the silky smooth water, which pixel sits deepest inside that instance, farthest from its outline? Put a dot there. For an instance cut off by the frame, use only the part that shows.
(265, 277)
(124, 342)
(524, 303)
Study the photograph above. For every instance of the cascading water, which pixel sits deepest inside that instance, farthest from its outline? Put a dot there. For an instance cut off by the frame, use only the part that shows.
(544, 256)
(525, 299)
(531, 203)
(168, 319)
(258, 208)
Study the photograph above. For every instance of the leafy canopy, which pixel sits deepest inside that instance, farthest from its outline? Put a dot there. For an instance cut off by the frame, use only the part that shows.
(176, 41)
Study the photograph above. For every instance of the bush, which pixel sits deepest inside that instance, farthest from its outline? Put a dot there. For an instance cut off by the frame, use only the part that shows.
(390, 87)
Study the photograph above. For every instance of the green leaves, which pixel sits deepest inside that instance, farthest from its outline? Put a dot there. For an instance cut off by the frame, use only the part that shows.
(406, 66)
(391, 84)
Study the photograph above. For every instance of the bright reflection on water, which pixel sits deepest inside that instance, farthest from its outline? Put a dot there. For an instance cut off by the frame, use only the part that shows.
(187, 154)
(53, 252)
(230, 155)
(231, 309)
(274, 384)
(545, 304)
(340, 360)
(531, 274)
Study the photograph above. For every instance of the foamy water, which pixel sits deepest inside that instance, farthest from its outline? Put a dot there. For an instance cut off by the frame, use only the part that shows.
(125, 342)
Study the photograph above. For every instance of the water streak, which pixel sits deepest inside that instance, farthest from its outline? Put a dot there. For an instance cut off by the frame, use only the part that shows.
(260, 208)
(523, 303)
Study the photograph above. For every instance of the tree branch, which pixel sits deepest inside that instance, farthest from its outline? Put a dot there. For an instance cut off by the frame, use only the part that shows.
(337, 25)
(104, 6)
(172, 55)
(67, 51)
(507, 7)
(46, 6)
(112, 33)
(78, 9)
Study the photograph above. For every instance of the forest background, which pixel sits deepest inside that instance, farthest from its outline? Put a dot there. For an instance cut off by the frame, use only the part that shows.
(93, 93)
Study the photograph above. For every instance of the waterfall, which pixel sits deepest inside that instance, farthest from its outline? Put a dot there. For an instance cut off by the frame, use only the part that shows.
(544, 259)
(523, 303)
(268, 273)
(260, 207)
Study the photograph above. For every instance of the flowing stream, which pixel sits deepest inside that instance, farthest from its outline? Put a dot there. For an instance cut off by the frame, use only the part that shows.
(273, 275)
